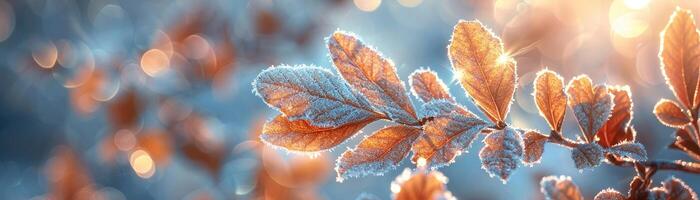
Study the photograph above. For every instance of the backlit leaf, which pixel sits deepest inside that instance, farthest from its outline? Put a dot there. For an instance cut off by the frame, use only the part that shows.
(634, 151)
(372, 75)
(550, 97)
(502, 153)
(677, 189)
(680, 57)
(609, 194)
(560, 188)
(587, 155)
(670, 114)
(378, 153)
(312, 94)
(427, 86)
(420, 185)
(483, 68)
(686, 143)
(591, 104)
(534, 146)
(615, 130)
(657, 193)
(446, 137)
(301, 136)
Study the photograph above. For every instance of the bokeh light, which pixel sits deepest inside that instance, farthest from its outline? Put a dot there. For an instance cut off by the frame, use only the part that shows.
(367, 5)
(154, 61)
(142, 163)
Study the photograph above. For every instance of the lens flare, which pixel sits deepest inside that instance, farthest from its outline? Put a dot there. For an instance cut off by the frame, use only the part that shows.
(154, 61)
(142, 163)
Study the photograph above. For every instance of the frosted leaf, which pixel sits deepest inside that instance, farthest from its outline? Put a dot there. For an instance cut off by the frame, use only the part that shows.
(592, 105)
(378, 153)
(534, 146)
(372, 75)
(677, 189)
(609, 194)
(587, 155)
(441, 107)
(685, 142)
(617, 128)
(670, 114)
(502, 152)
(301, 136)
(420, 185)
(632, 150)
(484, 70)
(560, 188)
(550, 97)
(427, 86)
(312, 94)
(445, 137)
(680, 57)
(657, 193)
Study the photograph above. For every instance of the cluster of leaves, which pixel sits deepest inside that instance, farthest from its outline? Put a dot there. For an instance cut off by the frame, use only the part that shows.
(562, 188)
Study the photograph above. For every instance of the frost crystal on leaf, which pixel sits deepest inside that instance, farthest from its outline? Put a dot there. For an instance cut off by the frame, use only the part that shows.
(420, 185)
(441, 107)
(617, 129)
(301, 136)
(312, 94)
(634, 151)
(670, 114)
(372, 75)
(592, 105)
(378, 153)
(657, 193)
(560, 188)
(502, 152)
(446, 137)
(677, 189)
(587, 155)
(534, 146)
(680, 57)
(609, 194)
(427, 86)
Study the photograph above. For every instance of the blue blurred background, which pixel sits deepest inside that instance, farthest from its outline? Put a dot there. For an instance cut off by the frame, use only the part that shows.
(128, 99)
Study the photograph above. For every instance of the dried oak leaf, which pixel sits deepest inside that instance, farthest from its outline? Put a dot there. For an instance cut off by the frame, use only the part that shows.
(534, 146)
(483, 68)
(427, 86)
(372, 75)
(550, 97)
(420, 185)
(560, 188)
(686, 143)
(617, 129)
(445, 137)
(300, 135)
(592, 105)
(680, 57)
(631, 150)
(378, 153)
(587, 155)
(609, 194)
(677, 189)
(670, 114)
(502, 153)
(312, 94)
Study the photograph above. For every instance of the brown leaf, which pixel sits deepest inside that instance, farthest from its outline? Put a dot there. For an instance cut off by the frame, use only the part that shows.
(609, 194)
(378, 153)
(560, 188)
(615, 129)
(427, 86)
(677, 189)
(591, 105)
(372, 75)
(483, 69)
(502, 152)
(533, 146)
(301, 136)
(670, 114)
(686, 143)
(680, 57)
(420, 185)
(550, 97)
(445, 137)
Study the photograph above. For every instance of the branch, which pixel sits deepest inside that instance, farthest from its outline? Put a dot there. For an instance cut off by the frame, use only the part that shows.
(677, 165)
(555, 137)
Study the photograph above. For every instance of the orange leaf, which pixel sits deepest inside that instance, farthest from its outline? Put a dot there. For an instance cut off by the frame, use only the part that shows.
(378, 153)
(426, 85)
(615, 130)
(684, 142)
(591, 105)
(670, 114)
(301, 136)
(533, 146)
(483, 69)
(446, 137)
(420, 185)
(372, 75)
(550, 97)
(680, 57)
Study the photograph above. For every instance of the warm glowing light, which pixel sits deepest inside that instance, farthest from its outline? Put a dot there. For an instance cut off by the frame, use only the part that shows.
(503, 58)
(45, 55)
(636, 4)
(124, 139)
(395, 188)
(197, 47)
(367, 5)
(629, 26)
(154, 61)
(421, 162)
(142, 163)
(410, 3)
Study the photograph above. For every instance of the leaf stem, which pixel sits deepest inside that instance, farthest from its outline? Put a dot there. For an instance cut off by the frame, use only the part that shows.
(652, 166)
(556, 137)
